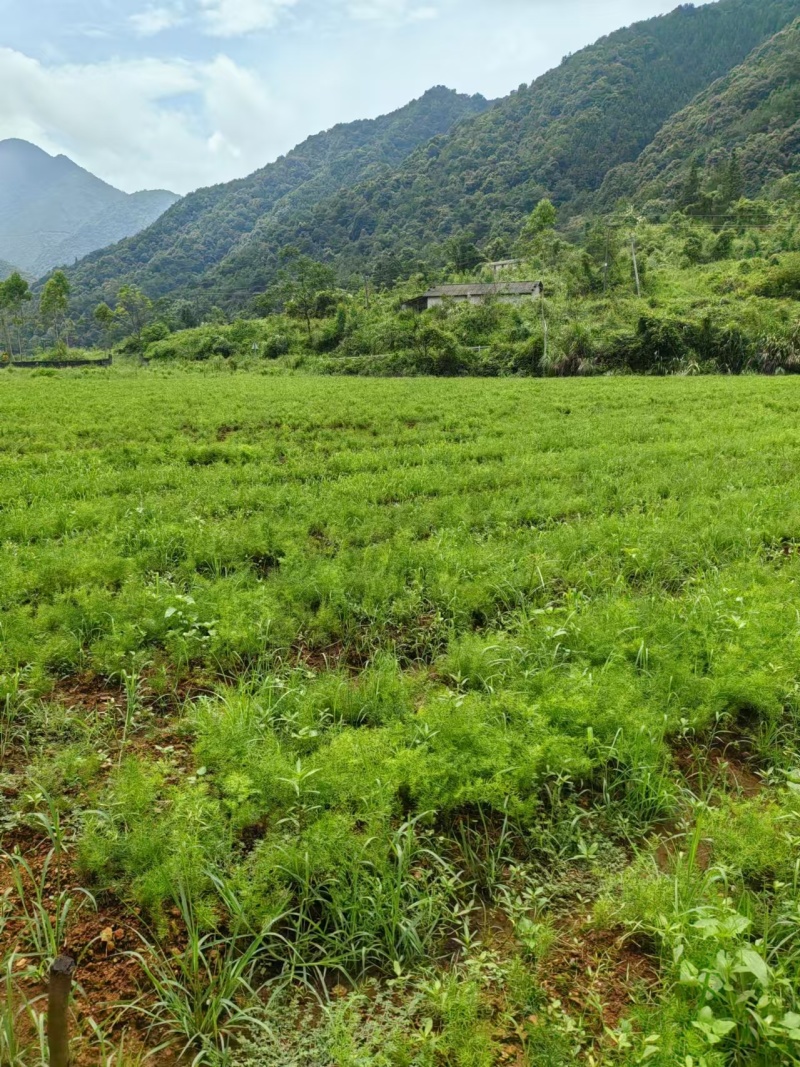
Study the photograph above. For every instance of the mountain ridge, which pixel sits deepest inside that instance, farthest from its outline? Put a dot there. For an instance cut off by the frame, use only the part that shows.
(51, 208)
(558, 137)
(206, 225)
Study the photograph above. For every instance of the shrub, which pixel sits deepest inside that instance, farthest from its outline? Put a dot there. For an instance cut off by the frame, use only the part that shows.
(783, 280)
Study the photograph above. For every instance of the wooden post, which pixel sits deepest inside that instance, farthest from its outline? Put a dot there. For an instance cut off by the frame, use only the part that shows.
(58, 993)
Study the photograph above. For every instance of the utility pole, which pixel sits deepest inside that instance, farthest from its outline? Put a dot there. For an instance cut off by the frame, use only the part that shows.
(636, 266)
(606, 264)
(544, 328)
(366, 291)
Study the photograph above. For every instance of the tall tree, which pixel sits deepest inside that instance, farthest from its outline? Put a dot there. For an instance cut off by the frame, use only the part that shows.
(134, 311)
(538, 238)
(15, 295)
(732, 184)
(463, 253)
(689, 195)
(54, 304)
(105, 319)
(543, 218)
(300, 283)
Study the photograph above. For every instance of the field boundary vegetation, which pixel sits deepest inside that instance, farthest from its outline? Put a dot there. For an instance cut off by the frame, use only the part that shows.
(705, 292)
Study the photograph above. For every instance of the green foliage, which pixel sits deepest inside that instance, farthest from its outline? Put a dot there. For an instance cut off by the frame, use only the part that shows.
(542, 220)
(15, 294)
(303, 287)
(397, 679)
(713, 301)
(783, 280)
(447, 179)
(54, 304)
(736, 138)
(732, 958)
(202, 230)
(559, 137)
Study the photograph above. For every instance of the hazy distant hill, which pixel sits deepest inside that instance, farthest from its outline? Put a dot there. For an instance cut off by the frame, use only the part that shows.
(53, 212)
(753, 111)
(6, 269)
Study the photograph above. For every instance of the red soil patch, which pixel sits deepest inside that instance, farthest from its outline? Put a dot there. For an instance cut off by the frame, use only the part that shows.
(333, 657)
(725, 765)
(88, 691)
(106, 975)
(94, 693)
(600, 971)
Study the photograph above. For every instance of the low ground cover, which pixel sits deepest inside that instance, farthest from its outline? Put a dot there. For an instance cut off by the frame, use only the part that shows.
(401, 722)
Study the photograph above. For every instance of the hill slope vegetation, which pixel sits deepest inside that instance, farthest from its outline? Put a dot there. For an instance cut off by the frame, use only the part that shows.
(206, 226)
(753, 111)
(558, 137)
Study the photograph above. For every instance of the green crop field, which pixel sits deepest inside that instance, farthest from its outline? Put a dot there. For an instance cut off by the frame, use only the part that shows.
(420, 722)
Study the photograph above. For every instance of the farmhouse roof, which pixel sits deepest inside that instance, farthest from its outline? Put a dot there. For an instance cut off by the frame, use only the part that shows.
(484, 289)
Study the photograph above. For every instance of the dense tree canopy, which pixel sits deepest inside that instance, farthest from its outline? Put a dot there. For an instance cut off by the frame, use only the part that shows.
(740, 135)
(556, 138)
(175, 254)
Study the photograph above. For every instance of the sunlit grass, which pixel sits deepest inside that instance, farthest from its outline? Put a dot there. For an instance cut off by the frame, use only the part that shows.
(325, 678)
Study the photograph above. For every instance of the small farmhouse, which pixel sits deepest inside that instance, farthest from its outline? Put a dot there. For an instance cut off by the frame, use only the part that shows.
(477, 293)
(501, 265)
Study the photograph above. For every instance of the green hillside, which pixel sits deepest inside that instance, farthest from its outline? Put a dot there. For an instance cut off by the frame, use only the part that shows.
(134, 214)
(373, 206)
(558, 137)
(207, 225)
(754, 111)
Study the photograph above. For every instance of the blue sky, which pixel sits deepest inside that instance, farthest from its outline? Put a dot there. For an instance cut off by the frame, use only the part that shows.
(183, 93)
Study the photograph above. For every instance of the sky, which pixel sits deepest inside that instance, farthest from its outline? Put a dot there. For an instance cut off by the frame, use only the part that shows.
(180, 94)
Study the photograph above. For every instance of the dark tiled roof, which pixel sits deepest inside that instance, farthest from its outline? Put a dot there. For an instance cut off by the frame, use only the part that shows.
(482, 289)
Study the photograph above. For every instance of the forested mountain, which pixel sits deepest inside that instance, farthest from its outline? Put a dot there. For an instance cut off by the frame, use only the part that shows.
(205, 226)
(131, 216)
(558, 137)
(53, 212)
(743, 133)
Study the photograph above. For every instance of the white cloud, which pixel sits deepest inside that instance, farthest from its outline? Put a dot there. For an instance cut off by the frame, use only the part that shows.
(237, 103)
(391, 12)
(216, 18)
(154, 20)
(234, 18)
(145, 123)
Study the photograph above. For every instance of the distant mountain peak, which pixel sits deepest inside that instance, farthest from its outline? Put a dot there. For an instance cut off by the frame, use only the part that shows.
(16, 144)
(53, 212)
